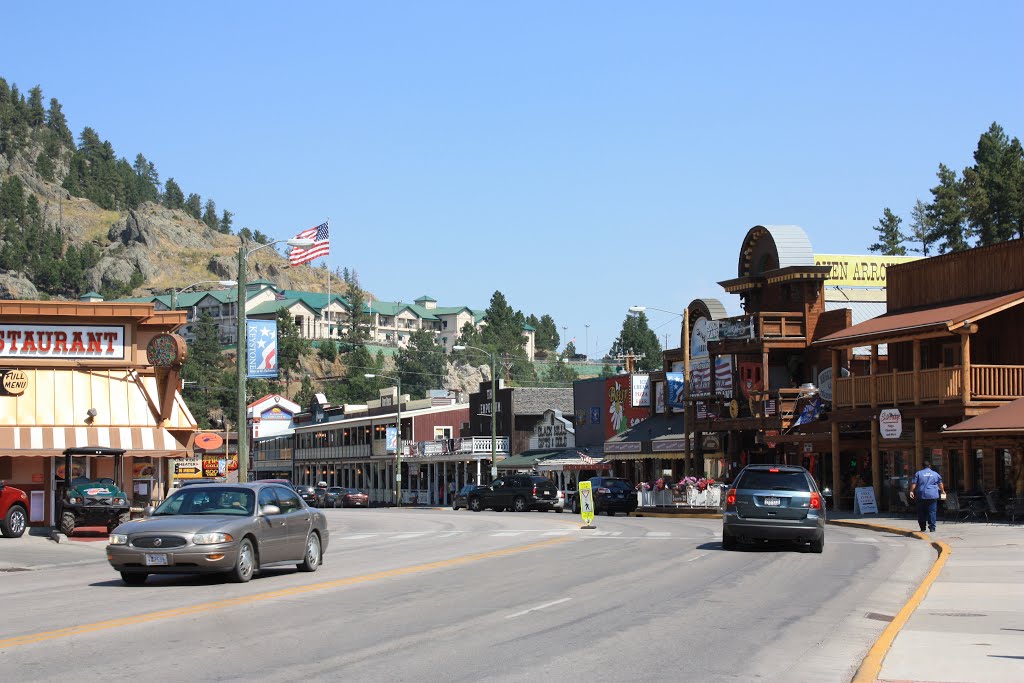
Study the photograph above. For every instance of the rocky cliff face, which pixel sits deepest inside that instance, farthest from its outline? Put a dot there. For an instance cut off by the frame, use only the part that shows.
(167, 247)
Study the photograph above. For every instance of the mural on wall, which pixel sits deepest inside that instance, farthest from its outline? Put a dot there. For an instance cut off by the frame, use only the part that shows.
(618, 407)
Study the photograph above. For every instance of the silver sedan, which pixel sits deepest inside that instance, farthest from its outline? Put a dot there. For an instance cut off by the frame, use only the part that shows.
(233, 529)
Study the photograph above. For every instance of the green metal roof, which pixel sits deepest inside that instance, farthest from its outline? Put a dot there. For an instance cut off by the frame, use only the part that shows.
(91, 295)
(395, 307)
(426, 298)
(315, 300)
(528, 326)
(525, 460)
(275, 306)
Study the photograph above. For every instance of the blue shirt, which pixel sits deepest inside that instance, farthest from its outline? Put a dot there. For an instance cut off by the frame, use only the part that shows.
(927, 482)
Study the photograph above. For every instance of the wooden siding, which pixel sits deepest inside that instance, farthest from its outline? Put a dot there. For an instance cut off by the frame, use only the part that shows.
(962, 275)
(423, 425)
(941, 385)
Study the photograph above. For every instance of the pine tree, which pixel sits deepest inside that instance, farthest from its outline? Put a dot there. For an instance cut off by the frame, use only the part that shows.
(994, 188)
(421, 364)
(560, 372)
(890, 238)
(174, 198)
(36, 112)
(210, 215)
(359, 319)
(946, 213)
(920, 228)
(203, 368)
(194, 206)
(638, 339)
(56, 122)
(291, 345)
(226, 218)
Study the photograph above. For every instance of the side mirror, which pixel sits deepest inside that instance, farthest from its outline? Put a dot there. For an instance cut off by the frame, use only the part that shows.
(270, 510)
(149, 510)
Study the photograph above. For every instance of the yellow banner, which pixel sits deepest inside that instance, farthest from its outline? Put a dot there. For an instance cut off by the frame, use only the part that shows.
(858, 271)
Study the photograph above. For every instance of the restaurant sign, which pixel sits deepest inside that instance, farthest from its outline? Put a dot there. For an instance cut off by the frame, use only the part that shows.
(25, 340)
(13, 382)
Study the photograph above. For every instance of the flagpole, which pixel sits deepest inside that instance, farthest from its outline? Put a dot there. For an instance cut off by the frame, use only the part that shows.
(328, 308)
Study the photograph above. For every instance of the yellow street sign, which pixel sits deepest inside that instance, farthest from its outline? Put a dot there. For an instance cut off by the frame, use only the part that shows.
(586, 503)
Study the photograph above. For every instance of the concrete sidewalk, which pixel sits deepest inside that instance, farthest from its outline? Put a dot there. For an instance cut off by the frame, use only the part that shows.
(35, 550)
(970, 626)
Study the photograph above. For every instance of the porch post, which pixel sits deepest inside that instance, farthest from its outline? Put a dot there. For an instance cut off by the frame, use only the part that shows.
(965, 356)
(837, 480)
(968, 460)
(876, 460)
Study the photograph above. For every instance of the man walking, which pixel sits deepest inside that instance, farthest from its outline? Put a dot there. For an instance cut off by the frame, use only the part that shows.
(926, 487)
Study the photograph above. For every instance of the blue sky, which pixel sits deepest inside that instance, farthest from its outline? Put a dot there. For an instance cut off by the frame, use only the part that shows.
(581, 157)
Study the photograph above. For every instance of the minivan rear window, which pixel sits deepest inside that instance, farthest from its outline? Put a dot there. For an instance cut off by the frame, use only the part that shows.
(773, 481)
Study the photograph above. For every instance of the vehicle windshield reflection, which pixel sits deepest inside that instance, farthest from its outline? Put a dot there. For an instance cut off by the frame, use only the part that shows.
(208, 501)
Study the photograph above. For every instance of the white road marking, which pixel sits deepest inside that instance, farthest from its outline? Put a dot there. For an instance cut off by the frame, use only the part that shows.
(538, 607)
(412, 535)
(697, 557)
(865, 539)
(557, 533)
(446, 534)
(652, 534)
(506, 533)
(357, 537)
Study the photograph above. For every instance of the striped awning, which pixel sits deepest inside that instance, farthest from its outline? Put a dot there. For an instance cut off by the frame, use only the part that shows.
(135, 441)
(645, 456)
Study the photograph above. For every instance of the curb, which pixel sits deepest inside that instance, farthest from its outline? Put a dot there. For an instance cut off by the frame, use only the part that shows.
(678, 515)
(871, 665)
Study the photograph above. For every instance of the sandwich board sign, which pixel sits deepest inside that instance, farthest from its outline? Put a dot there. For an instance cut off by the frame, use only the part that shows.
(864, 501)
(586, 503)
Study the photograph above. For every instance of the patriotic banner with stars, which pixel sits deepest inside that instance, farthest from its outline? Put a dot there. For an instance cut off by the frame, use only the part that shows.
(261, 348)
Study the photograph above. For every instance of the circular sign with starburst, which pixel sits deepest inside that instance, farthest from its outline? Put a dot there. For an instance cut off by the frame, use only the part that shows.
(166, 350)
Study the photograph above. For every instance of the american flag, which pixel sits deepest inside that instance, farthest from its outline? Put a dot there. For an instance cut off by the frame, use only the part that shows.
(321, 245)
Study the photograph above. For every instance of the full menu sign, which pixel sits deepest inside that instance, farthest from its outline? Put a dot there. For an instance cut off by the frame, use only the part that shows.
(102, 342)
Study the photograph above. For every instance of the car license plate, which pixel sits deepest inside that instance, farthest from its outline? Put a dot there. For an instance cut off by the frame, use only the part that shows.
(772, 501)
(155, 559)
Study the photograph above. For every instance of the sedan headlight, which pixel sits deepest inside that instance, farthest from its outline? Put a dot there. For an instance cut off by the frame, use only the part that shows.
(118, 539)
(207, 539)
(72, 500)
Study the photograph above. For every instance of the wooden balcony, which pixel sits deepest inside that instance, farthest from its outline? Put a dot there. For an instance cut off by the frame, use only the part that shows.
(765, 328)
(937, 385)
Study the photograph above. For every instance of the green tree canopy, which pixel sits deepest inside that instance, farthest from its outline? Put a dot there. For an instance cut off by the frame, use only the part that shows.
(421, 365)
(947, 213)
(639, 339)
(890, 238)
(174, 198)
(560, 372)
(994, 188)
(291, 345)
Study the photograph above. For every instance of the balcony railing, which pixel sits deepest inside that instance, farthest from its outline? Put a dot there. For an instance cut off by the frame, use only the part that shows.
(763, 326)
(937, 385)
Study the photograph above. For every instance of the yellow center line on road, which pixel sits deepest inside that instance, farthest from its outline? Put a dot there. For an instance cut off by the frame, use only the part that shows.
(270, 595)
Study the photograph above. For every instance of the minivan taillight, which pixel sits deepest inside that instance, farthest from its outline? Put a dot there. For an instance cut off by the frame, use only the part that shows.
(730, 498)
(815, 503)
(604, 490)
(535, 489)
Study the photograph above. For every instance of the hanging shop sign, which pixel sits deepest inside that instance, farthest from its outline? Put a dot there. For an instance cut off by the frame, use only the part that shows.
(104, 342)
(858, 271)
(209, 441)
(825, 382)
(890, 423)
(641, 385)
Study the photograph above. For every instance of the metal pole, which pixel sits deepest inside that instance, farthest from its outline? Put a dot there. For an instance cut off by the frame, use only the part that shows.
(398, 445)
(241, 365)
(494, 424)
(174, 299)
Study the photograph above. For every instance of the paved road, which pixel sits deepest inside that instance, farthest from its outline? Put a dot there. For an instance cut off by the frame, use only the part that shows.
(432, 595)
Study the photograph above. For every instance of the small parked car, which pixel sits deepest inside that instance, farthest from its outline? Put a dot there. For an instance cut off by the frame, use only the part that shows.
(774, 502)
(461, 498)
(611, 495)
(519, 492)
(332, 497)
(308, 494)
(233, 529)
(354, 498)
(13, 511)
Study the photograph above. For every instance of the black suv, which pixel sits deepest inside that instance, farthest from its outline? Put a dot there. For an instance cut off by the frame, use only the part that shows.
(611, 495)
(519, 492)
(309, 495)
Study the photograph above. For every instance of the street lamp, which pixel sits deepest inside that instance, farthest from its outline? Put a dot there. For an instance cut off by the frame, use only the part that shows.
(494, 394)
(176, 292)
(687, 419)
(240, 361)
(398, 439)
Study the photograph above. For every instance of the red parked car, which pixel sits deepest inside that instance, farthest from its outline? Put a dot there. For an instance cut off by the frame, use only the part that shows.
(354, 498)
(13, 511)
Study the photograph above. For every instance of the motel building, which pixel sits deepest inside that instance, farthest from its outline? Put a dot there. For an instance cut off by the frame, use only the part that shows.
(90, 375)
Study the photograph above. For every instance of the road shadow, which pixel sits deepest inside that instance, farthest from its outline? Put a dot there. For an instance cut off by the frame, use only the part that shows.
(758, 547)
(155, 580)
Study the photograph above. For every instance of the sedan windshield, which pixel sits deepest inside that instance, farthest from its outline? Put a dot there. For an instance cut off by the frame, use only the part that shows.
(208, 501)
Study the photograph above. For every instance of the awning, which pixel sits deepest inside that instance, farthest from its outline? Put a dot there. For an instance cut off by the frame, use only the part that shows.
(135, 441)
(647, 456)
(930, 321)
(1007, 419)
(524, 460)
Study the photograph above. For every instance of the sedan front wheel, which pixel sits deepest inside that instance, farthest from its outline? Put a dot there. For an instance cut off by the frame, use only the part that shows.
(246, 563)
